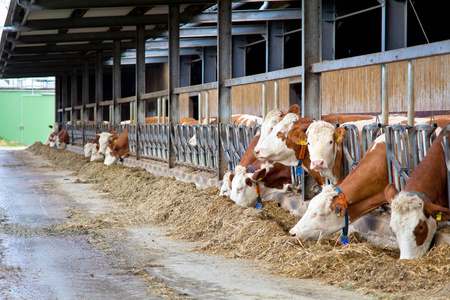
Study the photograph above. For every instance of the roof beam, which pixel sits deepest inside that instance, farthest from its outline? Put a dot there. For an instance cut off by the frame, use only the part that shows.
(66, 48)
(117, 35)
(209, 17)
(58, 4)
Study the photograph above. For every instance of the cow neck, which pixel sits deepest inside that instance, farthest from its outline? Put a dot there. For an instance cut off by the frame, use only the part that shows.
(249, 157)
(429, 178)
(364, 186)
(338, 168)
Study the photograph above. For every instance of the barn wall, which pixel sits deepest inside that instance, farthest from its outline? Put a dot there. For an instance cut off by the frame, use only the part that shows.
(358, 90)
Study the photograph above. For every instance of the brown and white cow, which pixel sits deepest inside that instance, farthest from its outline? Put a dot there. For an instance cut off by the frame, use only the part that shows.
(422, 203)
(363, 190)
(62, 139)
(51, 138)
(117, 149)
(271, 178)
(154, 120)
(284, 144)
(239, 119)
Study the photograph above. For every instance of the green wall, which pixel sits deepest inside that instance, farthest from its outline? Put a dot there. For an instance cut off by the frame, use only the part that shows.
(36, 110)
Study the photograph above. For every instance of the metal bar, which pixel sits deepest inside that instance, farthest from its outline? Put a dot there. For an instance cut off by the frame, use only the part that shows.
(409, 53)
(274, 75)
(263, 100)
(358, 12)
(223, 73)
(153, 95)
(174, 76)
(140, 84)
(410, 93)
(98, 86)
(384, 95)
(117, 83)
(311, 102)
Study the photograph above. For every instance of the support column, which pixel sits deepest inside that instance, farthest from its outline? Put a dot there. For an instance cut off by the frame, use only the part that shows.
(224, 48)
(174, 74)
(311, 16)
(140, 84)
(395, 28)
(85, 95)
(58, 117)
(98, 87)
(274, 46)
(117, 83)
(65, 98)
(73, 98)
(209, 61)
(411, 102)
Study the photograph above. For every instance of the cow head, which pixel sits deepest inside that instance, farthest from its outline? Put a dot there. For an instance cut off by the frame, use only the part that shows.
(88, 149)
(242, 192)
(413, 220)
(104, 139)
(322, 218)
(110, 158)
(95, 156)
(225, 190)
(271, 119)
(280, 145)
(324, 141)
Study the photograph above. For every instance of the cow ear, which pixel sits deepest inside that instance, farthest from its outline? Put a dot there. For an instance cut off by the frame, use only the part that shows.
(339, 135)
(295, 109)
(259, 174)
(337, 207)
(440, 213)
(248, 182)
(231, 177)
(297, 137)
(390, 192)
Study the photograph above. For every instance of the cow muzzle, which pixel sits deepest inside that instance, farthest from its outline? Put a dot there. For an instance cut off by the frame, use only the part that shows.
(317, 164)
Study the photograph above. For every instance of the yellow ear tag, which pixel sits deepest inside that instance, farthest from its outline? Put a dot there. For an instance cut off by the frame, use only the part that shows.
(339, 138)
(303, 143)
(114, 141)
(339, 214)
(439, 217)
(259, 179)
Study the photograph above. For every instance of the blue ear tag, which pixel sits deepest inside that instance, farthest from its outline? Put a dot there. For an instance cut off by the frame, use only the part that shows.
(258, 206)
(298, 171)
(344, 240)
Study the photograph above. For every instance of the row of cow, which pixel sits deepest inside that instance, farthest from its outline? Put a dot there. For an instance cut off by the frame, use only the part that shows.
(287, 140)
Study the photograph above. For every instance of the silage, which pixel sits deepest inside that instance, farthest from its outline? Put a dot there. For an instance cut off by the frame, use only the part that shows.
(224, 228)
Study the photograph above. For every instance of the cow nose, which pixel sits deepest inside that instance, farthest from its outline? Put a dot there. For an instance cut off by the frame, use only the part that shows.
(292, 232)
(317, 164)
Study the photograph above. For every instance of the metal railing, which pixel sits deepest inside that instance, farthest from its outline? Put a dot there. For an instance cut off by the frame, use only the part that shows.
(406, 144)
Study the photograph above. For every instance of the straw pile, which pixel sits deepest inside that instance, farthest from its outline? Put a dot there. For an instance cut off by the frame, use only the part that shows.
(225, 228)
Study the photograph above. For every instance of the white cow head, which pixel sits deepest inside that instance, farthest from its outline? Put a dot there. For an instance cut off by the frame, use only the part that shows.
(51, 139)
(413, 221)
(242, 192)
(274, 147)
(110, 158)
(103, 141)
(324, 140)
(225, 190)
(59, 144)
(88, 149)
(95, 156)
(320, 219)
(271, 119)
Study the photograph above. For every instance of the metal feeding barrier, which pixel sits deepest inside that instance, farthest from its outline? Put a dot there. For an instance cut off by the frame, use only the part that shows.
(404, 144)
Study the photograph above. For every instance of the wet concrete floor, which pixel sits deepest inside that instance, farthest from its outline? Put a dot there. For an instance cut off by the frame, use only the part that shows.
(37, 264)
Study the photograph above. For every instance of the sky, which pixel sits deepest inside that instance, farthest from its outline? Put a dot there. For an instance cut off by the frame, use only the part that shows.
(3, 11)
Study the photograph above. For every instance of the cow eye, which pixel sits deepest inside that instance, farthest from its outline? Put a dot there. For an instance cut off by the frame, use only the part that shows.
(239, 190)
(330, 142)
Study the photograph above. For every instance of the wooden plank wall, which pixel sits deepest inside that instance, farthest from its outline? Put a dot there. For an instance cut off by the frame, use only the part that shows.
(358, 90)
(244, 98)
